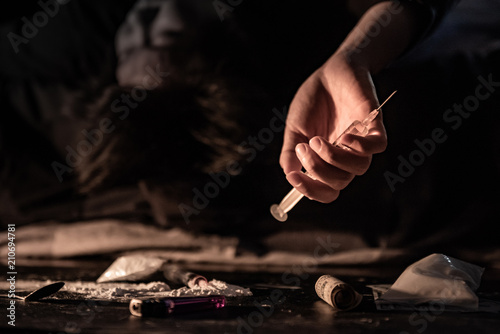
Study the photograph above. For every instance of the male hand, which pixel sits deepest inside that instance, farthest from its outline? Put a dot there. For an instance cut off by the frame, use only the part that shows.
(334, 96)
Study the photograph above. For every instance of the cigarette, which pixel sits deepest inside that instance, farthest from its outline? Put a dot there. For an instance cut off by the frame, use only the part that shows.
(176, 275)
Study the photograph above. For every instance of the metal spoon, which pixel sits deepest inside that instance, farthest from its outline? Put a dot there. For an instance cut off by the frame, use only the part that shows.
(39, 293)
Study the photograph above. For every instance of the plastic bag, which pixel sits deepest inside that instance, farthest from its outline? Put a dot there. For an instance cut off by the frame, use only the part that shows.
(437, 278)
(131, 268)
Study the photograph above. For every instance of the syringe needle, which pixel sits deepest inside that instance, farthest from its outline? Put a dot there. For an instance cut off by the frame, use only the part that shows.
(387, 99)
(279, 211)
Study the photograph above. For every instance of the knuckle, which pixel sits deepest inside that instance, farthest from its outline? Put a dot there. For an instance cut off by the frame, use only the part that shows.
(383, 146)
(362, 166)
(360, 170)
(330, 156)
(344, 181)
(331, 196)
(313, 166)
(320, 195)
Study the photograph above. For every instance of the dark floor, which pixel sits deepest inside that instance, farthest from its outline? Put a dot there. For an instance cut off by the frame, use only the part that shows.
(301, 310)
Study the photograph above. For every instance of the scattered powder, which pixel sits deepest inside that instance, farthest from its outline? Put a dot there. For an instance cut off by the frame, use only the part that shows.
(121, 292)
(214, 287)
(115, 291)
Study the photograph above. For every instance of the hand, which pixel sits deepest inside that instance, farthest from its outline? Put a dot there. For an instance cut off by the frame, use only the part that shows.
(334, 96)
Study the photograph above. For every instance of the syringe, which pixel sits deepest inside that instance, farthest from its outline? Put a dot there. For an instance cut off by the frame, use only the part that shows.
(359, 128)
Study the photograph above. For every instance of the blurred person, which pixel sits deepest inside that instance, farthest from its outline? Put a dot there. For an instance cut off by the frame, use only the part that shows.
(176, 99)
(337, 93)
(87, 116)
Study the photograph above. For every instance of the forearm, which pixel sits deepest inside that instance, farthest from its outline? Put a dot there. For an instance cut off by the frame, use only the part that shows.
(384, 32)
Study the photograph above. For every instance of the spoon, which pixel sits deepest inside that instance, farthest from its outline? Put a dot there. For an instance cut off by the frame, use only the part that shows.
(39, 293)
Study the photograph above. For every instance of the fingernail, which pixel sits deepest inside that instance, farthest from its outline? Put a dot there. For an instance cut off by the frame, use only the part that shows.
(301, 149)
(315, 144)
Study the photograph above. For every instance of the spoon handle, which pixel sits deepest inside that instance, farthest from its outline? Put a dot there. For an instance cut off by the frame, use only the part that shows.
(11, 296)
(40, 293)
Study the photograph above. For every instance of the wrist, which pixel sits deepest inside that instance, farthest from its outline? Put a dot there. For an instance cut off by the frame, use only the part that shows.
(350, 82)
(344, 65)
(385, 31)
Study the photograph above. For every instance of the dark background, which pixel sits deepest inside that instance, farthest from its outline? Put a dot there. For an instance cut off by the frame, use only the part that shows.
(447, 204)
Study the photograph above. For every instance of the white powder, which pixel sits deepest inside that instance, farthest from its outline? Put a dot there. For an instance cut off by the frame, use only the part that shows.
(115, 291)
(214, 287)
(118, 291)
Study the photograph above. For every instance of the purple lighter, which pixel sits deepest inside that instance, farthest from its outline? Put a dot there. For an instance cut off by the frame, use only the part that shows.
(175, 305)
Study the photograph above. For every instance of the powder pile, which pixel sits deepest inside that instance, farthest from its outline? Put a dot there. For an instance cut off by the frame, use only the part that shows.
(122, 292)
(115, 291)
(214, 287)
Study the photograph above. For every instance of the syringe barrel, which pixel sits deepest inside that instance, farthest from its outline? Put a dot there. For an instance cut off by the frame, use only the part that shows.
(289, 201)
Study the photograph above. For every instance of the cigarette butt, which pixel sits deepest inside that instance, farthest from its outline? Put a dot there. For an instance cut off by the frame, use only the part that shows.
(176, 275)
(340, 295)
(197, 280)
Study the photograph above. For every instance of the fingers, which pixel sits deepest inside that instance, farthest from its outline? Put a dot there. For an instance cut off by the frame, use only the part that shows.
(321, 170)
(288, 158)
(374, 142)
(312, 189)
(355, 161)
(310, 113)
(289, 161)
(370, 144)
(347, 160)
(332, 168)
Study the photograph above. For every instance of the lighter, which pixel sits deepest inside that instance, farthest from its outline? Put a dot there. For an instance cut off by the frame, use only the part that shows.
(175, 305)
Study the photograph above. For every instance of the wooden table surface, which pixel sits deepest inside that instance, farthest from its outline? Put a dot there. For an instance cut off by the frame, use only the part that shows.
(300, 310)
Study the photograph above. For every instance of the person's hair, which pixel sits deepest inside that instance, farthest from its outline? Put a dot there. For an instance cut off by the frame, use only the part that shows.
(173, 134)
(191, 126)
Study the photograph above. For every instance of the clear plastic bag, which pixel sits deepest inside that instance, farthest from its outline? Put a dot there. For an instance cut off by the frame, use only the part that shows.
(131, 268)
(437, 278)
